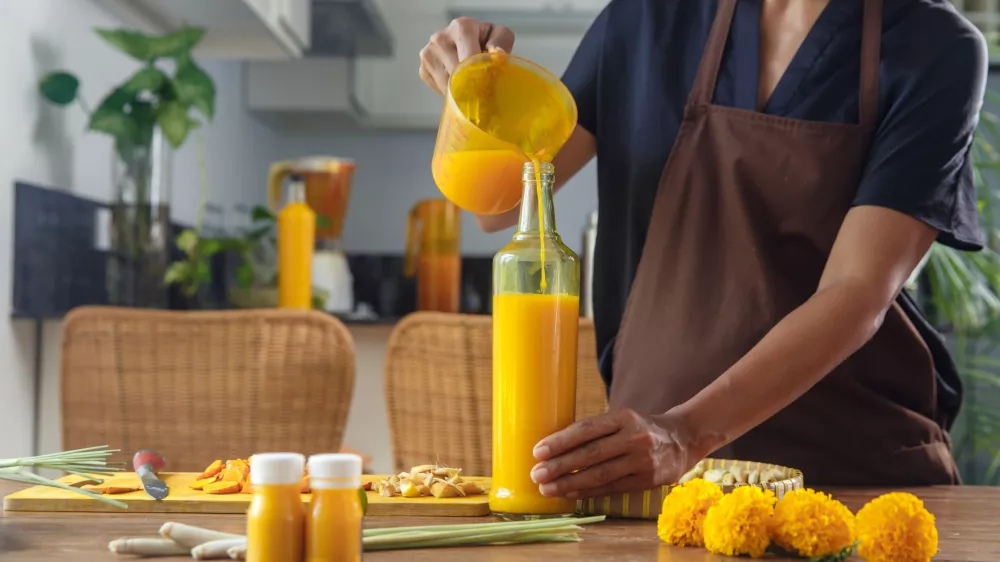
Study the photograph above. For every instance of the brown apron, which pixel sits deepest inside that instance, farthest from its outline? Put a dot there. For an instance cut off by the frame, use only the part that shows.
(745, 216)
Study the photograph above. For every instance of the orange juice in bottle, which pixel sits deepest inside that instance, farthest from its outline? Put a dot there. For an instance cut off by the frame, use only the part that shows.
(534, 349)
(276, 518)
(335, 515)
(296, 243)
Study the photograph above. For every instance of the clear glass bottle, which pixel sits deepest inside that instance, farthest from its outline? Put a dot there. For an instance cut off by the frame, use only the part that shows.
(536, 310)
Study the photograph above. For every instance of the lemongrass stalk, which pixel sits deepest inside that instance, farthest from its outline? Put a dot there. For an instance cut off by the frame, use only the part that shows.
(516, 524)
(36, 479)
(483, 538)
(496, 529)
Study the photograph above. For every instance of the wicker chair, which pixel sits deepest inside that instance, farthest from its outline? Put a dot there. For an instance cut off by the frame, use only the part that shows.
(200, 386)
(438, 388)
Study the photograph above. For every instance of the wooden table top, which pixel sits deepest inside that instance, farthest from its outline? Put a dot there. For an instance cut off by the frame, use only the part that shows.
(967, 520)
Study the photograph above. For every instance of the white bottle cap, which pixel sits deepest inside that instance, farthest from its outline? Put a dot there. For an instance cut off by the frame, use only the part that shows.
(276, 468)
(334, 470)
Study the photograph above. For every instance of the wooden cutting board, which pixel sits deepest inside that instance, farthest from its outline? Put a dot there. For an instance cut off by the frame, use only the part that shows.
(183, 499)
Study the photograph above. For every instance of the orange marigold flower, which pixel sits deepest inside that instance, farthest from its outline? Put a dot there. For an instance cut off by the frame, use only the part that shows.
(896, 527)
(683, 513)
(737, 525)
(812, 524)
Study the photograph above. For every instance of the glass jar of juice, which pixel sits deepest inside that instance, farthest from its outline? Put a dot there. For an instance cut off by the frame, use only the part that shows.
(276, 518)
(536, 309)
(335, 515)
(433, 254)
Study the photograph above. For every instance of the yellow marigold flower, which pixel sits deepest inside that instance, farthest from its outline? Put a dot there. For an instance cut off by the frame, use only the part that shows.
(737, 525)
(896, 527)
(812, 524)
(683, 513)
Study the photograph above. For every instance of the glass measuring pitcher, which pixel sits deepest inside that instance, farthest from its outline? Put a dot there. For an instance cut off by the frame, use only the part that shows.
(327, 189)
(500, 112)
(432, 254)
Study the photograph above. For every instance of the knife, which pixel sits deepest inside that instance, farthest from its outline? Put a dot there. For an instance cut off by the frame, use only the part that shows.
(146, 464)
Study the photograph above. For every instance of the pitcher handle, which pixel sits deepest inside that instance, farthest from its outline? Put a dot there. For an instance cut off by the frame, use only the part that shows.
(276, 177)
(410, 261)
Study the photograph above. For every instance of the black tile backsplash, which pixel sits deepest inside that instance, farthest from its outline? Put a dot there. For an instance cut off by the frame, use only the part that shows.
(57, 267)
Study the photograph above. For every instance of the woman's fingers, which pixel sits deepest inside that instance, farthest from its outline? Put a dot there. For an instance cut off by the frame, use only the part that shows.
(463, 38)
(574, 436)
(587, 455)
(501, 37)
(594, 476)
(432, 64)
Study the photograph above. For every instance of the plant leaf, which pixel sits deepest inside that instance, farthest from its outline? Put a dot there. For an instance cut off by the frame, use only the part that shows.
(187, 241)
(59, 88)
(144, 116)
(176, 44)
(173, 120)
(208, 247)
(132, 43)
(111, 117)
(148, 48)
(244, 275)
(194, 87)
(146, 79)
(177, 272)
(262, 214)
(256, 235)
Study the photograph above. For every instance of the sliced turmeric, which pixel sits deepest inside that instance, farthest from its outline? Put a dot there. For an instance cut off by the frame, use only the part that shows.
(212, 470)
(224, 487)
(200, 484)
(306, 487)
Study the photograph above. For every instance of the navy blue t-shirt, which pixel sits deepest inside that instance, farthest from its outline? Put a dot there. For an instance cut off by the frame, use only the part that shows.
(632, 73)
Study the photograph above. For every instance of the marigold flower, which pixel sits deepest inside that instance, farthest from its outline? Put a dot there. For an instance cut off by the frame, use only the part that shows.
(812, 524)
(737, 524)
(896, 527)
(683, 513)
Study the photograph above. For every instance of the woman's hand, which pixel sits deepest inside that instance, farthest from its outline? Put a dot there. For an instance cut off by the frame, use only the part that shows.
(463, 38)
(620, 451)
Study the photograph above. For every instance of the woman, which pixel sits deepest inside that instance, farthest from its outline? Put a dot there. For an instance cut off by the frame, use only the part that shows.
(770, 173)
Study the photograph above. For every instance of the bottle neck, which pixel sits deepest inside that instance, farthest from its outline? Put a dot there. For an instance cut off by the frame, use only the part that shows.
(296, 192)
(531, 199)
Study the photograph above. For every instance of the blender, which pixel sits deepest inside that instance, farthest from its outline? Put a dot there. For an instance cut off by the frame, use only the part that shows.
(327, 189)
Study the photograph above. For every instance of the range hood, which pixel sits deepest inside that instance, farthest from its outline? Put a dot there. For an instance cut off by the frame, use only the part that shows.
(349, 28)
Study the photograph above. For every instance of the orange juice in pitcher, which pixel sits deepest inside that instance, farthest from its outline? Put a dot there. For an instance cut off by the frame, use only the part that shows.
(534, 349)
(500, 111)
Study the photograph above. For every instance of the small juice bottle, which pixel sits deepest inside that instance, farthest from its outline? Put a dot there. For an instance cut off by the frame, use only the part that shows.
(335, 514)
(276, 518)
(536, 314)
(296, 243)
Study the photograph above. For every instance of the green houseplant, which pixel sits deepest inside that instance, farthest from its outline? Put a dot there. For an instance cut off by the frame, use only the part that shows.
(255, 274)
(962, 294)
(153, 110)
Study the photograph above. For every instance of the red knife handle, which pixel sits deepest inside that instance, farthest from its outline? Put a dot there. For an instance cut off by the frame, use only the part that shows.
(151, 458)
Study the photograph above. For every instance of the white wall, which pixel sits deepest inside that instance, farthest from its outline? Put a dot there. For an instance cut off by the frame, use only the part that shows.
(394, 172)
(48, 146)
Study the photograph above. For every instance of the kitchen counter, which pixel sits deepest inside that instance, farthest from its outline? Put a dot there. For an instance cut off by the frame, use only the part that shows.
(966, 518)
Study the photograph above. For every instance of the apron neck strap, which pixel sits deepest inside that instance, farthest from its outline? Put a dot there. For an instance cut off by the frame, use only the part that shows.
(711, 60)
(871, 57)
(871, 46)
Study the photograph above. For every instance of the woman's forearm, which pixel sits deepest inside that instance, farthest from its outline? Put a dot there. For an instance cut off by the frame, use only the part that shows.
(796, 354)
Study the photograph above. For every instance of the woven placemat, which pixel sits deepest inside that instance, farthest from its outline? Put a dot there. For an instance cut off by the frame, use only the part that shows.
(646, 505)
